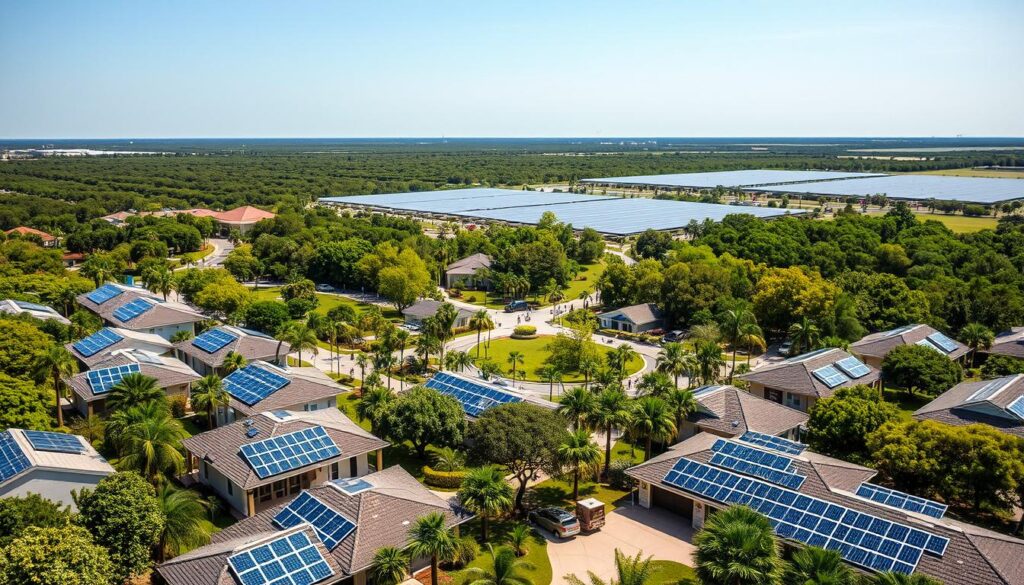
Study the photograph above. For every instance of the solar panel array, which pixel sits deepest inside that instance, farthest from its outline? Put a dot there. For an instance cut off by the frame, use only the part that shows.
(213, 340)
(289, 560)
(56, 442)
(768, 466)
(742, 178)
(12, 459)
(1017, 407)
(900, 500)
(252, 383)
(989, 389)
(853, 367)
(283, 453)
(830, 376)
(943, 342)
(773, 442)
(330, 526)
(33, 307)
(862, 539)
(97, 342)
(132, 309)
(101, 381)
(916, 187)
(475, 398)
(352, 486)
(104, 294)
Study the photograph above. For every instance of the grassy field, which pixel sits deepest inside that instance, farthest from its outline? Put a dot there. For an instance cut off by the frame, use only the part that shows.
(671, 573)
(327, 302)
(957, 223)
(536, 554)
(585, 280)
(990, 173)
(906, 403)
(535, 354)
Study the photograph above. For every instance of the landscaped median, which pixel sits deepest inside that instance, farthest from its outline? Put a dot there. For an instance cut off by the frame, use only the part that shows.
(535, 352)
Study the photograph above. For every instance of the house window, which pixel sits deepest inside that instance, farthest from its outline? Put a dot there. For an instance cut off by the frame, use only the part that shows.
(231, 489)
(294, 484)
(264, 493)
(279, 486)
(206, 471)
(353, 467)
(335, 470)
(792, 400)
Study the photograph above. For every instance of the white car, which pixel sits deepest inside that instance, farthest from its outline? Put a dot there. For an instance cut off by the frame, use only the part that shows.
(324, 288)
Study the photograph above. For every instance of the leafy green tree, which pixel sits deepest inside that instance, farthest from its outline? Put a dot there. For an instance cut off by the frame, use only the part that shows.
(134, 389)
(577, 405)
(812, 565)
(100, 267)
(580, 455)
(652, 244)
(17, 513)
(737, 547)
(424, 416)
(56, 556)
(996, 366)
(208, 394)
(390, 566)
(976, 336)
(185, 526)
(159, 280)
(242, 264)
(840, 424)
(266, 316)
(652, 420)
(56, 363)
(688, 288)
(227, 299)
(432, 538)
(373, 406)
(485, 492)
(506, 569)
(124, 516)
(628, 570)
(23, 405)
(915, 367)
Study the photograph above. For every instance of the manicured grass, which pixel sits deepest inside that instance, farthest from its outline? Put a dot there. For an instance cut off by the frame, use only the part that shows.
(585, 280)
(193, 424)
(671, 573)
(536, 555)
(534, 354)
(622, 449)
(327, 302)
(957, 223)
(558, 492)
(907, 404)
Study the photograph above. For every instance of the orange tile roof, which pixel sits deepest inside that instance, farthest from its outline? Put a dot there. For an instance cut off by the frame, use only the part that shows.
(244, 214)
(23, 230)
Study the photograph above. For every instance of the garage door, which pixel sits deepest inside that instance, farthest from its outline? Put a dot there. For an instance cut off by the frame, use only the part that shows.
(673, 502)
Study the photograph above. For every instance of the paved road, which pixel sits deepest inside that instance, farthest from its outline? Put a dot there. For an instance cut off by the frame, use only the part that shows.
(221, 249)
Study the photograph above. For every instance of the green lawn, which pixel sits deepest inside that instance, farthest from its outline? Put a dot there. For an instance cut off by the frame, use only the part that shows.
(535, 354)
(671, 573)
(537, 554)
(327, 302)
(957, 223)
(623, 450)
(585, 280)
(906, 403)
(558, 492)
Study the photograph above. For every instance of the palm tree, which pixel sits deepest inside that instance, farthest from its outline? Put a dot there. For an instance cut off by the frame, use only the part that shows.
(894, 578)
(620, 357)
(121, 420)
(284, 335)
(652, 420)
(673, 359)
(362, 361)
(480, 322)
(134, 389)
(91, 427)
(432, 538)
(208, 395)
(737, 547)
(99, 267)
(447, 459)
(390, 566)
(518, 537)
(151, 447)
(709, 360)
(443, 321)
(629, 571)
(654, 384)
(159, 280)
(751, 337)
(485, 492)
(976, 336)
(580, 454)
(233, 361)
(682, 404)
(551, 374)
(458, 360)
(804, 335)
(384, 361)
(185, 526)
(577, 405)
(813, 565)
(515, 359)
(300, 336)
(426, 344)
(372, 407)
(401, 340)
(612, 411)
(589, 366)
(734, 323)
(56, 362)
(507, 570)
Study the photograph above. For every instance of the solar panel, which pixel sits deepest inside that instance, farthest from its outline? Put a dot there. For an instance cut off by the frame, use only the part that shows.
(330, 526)
(1017, 407)
(101, 381)
(927, 343)
(96, 342)
(252, 384)
(990, 389)
(289, 560)
(283, 453)
(352, 486)
(916, 187)
(12, 459)
(900, 500)
(475, 398)
(830, 376)
(863, 539)
(213, 340)
(774, 468)
(743, 178)
(899, 330)
(132, 309)
(853, 367)
(56, 442)
(944, 342)
(773, 442)
(33, 307)
(104, 294)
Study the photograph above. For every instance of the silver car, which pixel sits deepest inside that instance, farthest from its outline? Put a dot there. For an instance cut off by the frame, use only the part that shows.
(557, 521)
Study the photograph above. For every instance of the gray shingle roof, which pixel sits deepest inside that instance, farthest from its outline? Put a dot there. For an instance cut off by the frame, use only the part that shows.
(169, 373)
(469, 265)
(162, 314)
(794, 375)
(729, 410)
(881, 343)
(639, 314)
(250, 346)
(1009, 343)
(953, 406)
(304, 385)
(428, 307)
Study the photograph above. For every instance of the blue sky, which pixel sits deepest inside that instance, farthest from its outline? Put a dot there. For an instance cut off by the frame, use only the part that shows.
(95, 69)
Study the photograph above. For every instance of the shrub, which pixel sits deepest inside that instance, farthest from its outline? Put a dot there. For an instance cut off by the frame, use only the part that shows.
(465, 553)
(178, 402)
(617, 477)
(524, 331)
(443, 479)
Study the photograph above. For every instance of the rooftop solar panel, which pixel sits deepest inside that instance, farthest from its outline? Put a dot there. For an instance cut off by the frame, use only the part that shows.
(56, 442)
(12, 459)
(292, 559)
(33, 307)
(916, 187)
(900, 330)
(103, 294)
(853, 367)
(101, 381)
(283, 453)
(252, 384)
(830, 376)
(774, 468)
(213, 340)
(942, 341)
(742, 178)
(132, 309)
(990, 389)
(352, 486)
(1017, 407)
(330, 526)
(97, 342)
(474, 397)
(901, 500)
(773, 442)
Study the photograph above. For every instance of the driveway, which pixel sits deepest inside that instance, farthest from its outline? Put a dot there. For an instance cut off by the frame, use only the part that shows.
(631, 529)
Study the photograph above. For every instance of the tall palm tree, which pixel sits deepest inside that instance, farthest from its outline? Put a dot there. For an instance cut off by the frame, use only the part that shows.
(804, 334)
(976, 336)
(709, 360)
(734, 322)
(620, 357)
(362, 361)
(91, 427)
(372, 407)
(737, 547)
(612, 411)
(284, 335)
(515, 359)
(56, 362)
(751, 337)
(813, 565)
(577, 405)
(458, 360)
(654, 384)
(652, 420)
(589, 366)
(580, 454)
(507, 570)
(384, 361)
(485, 492)
(431, 538)
(160, 280)
(551, 374)
(151, 448)
(682, 404)
(894, 578)
(233, 361)
(401, 340)
(443, 321)
(115, 431)
(390, 566)
(134, 389)
(629, 571)
(185, 526)
(300, 336)
(425, 345)
(673, 359)
(208, 395)
(99, 267)
(480, 321)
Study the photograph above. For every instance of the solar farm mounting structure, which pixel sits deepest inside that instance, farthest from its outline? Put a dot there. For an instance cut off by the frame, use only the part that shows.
(613, 216)
(745, 178)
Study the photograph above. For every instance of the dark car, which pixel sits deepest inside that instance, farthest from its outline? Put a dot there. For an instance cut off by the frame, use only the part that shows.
(516, 306)
(673, 336)
(557, 521)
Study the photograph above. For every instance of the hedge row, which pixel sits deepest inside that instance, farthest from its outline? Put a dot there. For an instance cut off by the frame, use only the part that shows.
(443, 479)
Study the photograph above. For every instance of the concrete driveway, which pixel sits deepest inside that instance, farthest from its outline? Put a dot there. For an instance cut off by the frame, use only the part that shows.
(631, 529)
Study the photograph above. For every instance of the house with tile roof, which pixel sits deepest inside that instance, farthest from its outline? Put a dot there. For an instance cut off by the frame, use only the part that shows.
(137, 309)
(42, 312)
(800, 381)
(305, 389)
(49, 464)
(998, 403)
(262, 461)
(826, 502)
(727, 411)
(633, 319)
(240, 218)
(98, 347)
(49, 241)
(873, 348)
(374, 512)
(463, 272)
(1009, 343)
(91, 388)
(207, 357)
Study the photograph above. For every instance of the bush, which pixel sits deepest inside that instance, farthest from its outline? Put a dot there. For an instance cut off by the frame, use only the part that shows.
(298, 307)
(178, 402)
(617, 477)
(443, 479)
(465, 553)
(524, 331)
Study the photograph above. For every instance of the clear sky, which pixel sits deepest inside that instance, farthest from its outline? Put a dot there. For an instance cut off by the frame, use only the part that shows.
(96, 69)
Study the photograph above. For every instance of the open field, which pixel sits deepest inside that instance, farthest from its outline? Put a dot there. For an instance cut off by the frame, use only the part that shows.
(534, 353)
(959, 224)
(971, 172)
(327, 302)
(586, 280)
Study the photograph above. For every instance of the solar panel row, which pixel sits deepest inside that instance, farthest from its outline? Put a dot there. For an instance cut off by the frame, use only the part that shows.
(946, 344)
(289, 560)
(283, 453)
(213, 340)
(330, 526)
(830, 376)
(916, 187)
(901, 500)
(12, 459)
(768, 466)
(252, 384)
(101, 381)
(97, 342)
(56, 442)
(742, 178)
(475, 398)
(773, 442)
(1017, 407)
(103, 294)
(853, 367)
(132, 309)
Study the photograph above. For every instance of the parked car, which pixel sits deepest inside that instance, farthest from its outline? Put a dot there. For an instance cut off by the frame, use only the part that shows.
(324, 287)
(557, 521)
(516, 306)
(785, 348)
(410, 327)
(673, 336)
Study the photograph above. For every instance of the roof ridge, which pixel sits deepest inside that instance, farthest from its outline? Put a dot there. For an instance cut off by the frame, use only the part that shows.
(970, 538)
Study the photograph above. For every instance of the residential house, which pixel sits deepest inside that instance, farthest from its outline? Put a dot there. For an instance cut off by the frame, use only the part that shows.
(99, 346)
(727, 411)
(873, 348)
(1009, 343)
(463, 272)
(998, 403)
(240, 218)
(137, 309)
(205, 352)
(420, 310)
(49, 464)
(633, 319)
(261, 386)
(91, 388)
(800, 381)
(49, 241)
(337, 528)
(265, 460)
(12, 307)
